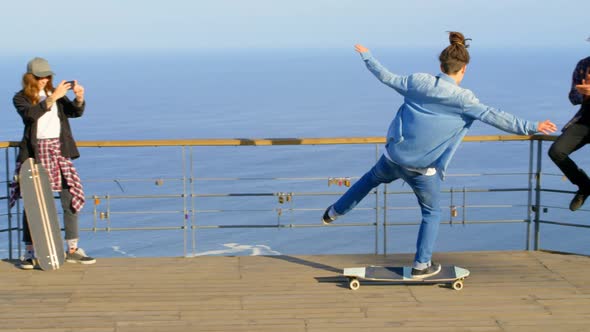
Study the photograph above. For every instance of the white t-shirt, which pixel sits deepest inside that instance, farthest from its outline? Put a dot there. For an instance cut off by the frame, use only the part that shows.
(48, 124)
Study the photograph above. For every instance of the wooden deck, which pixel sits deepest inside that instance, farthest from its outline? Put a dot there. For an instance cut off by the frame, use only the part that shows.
(507, 291)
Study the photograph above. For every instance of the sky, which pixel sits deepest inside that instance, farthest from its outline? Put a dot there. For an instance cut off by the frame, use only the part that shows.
(111, 25)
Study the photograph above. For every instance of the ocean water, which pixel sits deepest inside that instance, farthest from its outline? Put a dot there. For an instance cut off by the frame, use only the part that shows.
(286, 93)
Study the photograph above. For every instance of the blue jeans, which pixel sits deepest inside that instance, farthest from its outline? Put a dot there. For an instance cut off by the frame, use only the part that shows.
(426, 188)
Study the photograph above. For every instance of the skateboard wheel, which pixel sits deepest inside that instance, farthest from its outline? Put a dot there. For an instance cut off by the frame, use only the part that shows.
(458, 285)
(354, 284)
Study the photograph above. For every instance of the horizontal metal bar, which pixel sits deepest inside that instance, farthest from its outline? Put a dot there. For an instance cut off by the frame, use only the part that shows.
(284, 225)
(216, 179)
(291, 225)
(558, 191)
(133, 180)
(563, 224)
(322, 178)
(111, 212)
(554, 174)
(284, 209)
(404, 208)
(484, 174)
(4, 230)
(560, 207)
(458, 222)
(108, 229)
(467, 190)
(265, 194)
(271, 194)
(135, 196)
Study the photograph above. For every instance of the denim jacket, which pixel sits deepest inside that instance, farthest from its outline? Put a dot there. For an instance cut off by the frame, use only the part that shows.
(435, 116)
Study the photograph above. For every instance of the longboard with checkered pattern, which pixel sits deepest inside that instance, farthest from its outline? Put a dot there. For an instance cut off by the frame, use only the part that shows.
(41, 215)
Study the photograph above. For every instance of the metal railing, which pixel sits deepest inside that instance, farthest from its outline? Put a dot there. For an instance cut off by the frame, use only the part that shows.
(185, 203)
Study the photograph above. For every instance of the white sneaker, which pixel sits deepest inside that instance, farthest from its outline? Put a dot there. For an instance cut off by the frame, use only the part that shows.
(79, 256)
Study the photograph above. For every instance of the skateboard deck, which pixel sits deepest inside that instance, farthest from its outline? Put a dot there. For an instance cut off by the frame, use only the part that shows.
(41, 215)
(451, 275)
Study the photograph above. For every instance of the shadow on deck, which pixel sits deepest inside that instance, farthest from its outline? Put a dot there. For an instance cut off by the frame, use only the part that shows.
(507, 291)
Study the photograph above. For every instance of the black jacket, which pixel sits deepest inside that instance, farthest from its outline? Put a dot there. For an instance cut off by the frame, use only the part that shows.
(30, 113)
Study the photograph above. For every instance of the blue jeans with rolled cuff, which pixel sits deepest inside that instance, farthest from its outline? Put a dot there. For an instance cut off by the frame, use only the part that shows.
(426, 189)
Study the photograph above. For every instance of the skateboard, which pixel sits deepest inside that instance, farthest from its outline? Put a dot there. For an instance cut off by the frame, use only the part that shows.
(41, 215)
(450, 275)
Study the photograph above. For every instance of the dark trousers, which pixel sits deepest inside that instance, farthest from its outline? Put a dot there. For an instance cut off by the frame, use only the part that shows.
(70, 217)
(574, 137)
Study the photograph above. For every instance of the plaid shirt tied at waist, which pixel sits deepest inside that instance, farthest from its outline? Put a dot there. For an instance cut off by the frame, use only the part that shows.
(58, 167)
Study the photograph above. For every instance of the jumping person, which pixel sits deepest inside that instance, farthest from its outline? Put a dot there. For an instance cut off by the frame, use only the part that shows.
(48, 139)
(575, 134)
(423, 137)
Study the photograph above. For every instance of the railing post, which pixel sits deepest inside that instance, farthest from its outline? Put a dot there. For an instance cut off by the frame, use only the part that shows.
(96, 201)
(451, 208)
(530, 195)
(193, 213)
(18, 217)
(108, 212)
(184, 194)
(377, 207)
(385, 219)
(8, 213)
(538, 194)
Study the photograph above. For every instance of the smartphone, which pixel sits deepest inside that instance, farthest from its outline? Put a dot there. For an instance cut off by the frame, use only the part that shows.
(72, 83)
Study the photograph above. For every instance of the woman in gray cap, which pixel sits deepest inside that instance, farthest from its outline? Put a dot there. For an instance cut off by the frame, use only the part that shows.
(48, 139)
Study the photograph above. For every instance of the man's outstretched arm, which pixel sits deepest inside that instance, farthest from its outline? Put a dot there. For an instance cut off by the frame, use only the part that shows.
(397, 82)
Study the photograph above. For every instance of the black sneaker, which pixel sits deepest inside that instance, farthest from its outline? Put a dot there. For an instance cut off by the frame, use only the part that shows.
(433, 269)
(27, 264)
(326, 219)
(578, 200)
(79, 256)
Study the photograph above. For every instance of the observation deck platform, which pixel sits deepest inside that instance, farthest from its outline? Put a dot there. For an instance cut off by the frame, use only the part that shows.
(507, 291)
